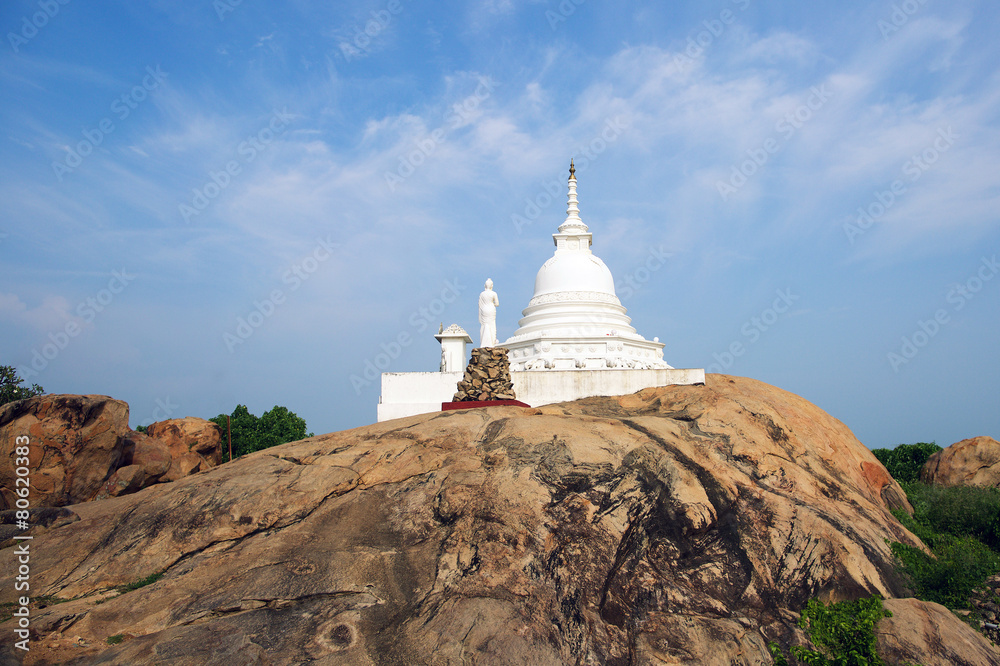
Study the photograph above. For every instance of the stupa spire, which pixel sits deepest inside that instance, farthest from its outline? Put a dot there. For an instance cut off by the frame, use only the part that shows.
(573, 222)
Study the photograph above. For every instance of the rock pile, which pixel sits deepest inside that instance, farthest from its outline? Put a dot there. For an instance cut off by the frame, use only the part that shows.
(487, 376)
(986, 601)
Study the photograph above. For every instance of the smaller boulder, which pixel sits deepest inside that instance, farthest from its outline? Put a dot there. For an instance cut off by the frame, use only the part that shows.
(928, 633)
(194, 445)
(971, 462)
(150, 454)
(125, 480)
(186, 465)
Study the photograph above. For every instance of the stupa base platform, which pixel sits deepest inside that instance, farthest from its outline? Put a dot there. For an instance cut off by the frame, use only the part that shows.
(412, 393)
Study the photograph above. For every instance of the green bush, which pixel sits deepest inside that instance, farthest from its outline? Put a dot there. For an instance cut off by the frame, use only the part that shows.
(957, 510)
(959, 565)
(148, 580)
(961, 527)
(844, 632)
(904, 461)
(251, 433)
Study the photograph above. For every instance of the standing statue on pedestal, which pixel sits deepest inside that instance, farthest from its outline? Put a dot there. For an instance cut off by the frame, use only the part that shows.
(488, 303)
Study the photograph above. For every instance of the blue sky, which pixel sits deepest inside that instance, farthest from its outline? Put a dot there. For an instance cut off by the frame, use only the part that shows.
(211, 203)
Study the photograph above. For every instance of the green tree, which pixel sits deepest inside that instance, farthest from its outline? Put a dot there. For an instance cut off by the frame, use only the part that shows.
(279, 425)
(904, 461)
(251, 433)
(10, 386)
(844, 632)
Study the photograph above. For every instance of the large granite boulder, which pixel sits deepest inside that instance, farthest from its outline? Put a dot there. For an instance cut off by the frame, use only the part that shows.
(679, 525)
(76, 443)
(82, 448)
(971, 462)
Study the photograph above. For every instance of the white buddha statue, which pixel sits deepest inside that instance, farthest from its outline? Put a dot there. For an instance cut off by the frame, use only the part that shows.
(488, 303)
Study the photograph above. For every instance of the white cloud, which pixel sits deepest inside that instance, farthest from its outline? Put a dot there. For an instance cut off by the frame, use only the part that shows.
(782, 46)
(53, 313)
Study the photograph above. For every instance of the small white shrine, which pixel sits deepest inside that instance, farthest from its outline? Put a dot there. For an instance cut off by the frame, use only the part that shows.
(574, 340)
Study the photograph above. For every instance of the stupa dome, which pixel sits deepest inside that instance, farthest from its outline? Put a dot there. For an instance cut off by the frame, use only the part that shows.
(573, 270)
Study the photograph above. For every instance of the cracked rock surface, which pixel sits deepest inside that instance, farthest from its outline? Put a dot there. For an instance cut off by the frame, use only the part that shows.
(682, 524)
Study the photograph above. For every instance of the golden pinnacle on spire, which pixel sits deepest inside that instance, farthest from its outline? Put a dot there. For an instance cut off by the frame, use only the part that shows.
(573, 223)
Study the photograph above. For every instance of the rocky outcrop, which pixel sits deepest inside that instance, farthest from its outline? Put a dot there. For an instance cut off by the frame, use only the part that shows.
(971, 462)
(925, 633)
(487, 377)
(679, 525)
(81, 447)
(75, 441)
(194, 445)
(40, 519)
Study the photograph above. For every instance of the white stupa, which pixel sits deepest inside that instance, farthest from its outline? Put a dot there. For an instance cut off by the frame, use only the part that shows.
(574, 341)
(575, 320)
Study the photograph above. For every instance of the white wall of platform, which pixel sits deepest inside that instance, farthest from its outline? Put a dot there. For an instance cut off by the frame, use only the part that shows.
(411, 393)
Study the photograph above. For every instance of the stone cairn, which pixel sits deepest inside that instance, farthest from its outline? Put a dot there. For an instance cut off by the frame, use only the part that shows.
(487, 376)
